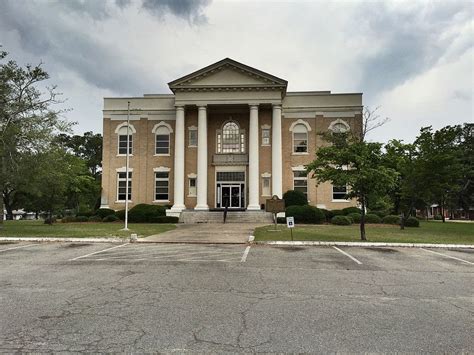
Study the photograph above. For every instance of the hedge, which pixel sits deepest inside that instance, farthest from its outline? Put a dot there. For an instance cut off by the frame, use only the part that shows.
(95, 219)
(356, 217)
(164, 219)
(143, 213)
(372, 218)
(306, 214)
(381, 214)
(104, 212)
(341, 220)
(82, 219)
(295, 198)
(120, 214)
(110, 218)
(391, 219)
(68, 219)
(412, 222)
(336, 213)
(348, 210)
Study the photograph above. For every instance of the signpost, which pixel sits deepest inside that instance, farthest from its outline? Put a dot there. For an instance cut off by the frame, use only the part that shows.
(290, 223)
(275, 205)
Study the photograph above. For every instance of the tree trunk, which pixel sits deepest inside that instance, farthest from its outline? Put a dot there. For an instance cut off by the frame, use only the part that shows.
(362, 221)
(2, 175)
(402, 221)
(442, 213)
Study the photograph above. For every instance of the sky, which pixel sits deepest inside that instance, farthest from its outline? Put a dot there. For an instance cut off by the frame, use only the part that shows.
(412, 59)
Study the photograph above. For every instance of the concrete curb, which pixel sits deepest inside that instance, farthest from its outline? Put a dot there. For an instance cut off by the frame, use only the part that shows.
(369, 244)
(64, 240)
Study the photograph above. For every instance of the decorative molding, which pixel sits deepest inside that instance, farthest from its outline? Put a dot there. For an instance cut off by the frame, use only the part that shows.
(298, 168)
(162, 124)
(192, 128)
(300, 121)
(266, 175)
(161, 169)
(124, 124)
(192, 176)
(123, 169)
(265, 126)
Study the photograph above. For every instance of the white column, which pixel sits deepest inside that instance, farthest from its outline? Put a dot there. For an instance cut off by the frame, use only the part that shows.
(202, 160)
(277, 184)
(178, 205)
(253, 160)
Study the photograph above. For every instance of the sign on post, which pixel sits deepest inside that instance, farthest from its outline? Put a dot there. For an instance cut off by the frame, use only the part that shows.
(275, 205)
(290, 223)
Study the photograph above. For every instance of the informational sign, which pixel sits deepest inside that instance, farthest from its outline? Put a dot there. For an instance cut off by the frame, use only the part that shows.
(290, 222)
(275, 205)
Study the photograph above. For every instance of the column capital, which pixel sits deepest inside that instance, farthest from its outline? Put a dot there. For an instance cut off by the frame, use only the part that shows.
(202, 106)
(276, 106)
(253, 106)
(179, 107)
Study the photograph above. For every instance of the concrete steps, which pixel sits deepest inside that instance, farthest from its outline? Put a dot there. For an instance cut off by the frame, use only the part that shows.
(232, 217)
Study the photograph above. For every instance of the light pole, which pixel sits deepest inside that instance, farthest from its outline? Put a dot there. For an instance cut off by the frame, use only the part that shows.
(126, 167)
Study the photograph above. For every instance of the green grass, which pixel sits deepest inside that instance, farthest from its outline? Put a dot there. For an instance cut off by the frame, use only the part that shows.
(79, 230)
(428, 232)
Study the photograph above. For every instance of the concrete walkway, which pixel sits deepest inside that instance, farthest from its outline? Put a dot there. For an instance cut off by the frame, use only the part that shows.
(218, 233)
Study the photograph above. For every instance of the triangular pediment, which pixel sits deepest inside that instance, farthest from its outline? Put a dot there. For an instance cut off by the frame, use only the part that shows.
(228, 74)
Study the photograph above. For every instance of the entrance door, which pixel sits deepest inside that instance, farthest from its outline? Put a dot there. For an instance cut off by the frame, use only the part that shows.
(230, 196)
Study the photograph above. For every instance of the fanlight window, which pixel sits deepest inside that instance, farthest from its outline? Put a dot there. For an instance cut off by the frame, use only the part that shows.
(231, 139)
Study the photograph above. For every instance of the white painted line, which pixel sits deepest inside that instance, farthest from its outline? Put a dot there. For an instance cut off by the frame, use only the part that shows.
(246, 253)
(448, 256)
(22, 246)
(348, 255)
(97, 252)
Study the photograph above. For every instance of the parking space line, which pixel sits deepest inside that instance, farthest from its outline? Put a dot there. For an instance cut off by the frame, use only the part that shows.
(246, 253)
(97, 252)
(22, 246)
(348, 255)
(448, 256)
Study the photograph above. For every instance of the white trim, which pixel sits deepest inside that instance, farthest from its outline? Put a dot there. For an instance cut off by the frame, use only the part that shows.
(335, 122)
(123, 169)
(300, 121)
(298, 168)
(161, 201)
(266, 175)
(265, 126)
(119, 117)
(192, 127)
(161, 169)
(231, 168)
(195, 129)
(124, 155)
(161, 155)
(344, 201)
(192, 176)
(124, 124)
(300, 153)
(162, 124)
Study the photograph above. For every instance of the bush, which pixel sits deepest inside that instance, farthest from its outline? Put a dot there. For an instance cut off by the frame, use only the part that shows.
(85, 212)
(372, 218)
(120, 214)
(95, 219)
(110, 218)
(341, 220)
(50, 220)
(336, 213)
(412, 222)
(391, 219)
(82, 219)
(281, 220)
(165, 219)
(104, 212)
(381, 214)
(438, 217)
(306, 214)
(68, 219)
(348, 210)
(295, 198)
(144, 213)
(356, 216)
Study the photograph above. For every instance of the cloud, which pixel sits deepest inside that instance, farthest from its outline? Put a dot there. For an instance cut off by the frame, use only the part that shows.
(191, 10)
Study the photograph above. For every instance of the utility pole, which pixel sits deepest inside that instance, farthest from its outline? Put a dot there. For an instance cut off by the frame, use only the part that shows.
(127, 168)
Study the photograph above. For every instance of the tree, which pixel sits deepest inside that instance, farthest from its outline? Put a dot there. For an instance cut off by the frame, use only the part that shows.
(28, 121)
(349, 161)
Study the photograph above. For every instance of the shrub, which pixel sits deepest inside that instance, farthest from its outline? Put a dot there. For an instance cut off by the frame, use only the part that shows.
(95, 219)
(85, 212)
(281, 220)
(336, 213)
(306, 214)
(391, 219)
(356, 216)
(348, 210)
(50, 220)
(295, 198)
(327, 214)
(110, 218)
(82, 219)
(372, 218)
(164, 219)
(381, 214)
(412, 222)
(143, 213)
(341, 220)
(104, 212)
(68, 219)
(438, 217)
(120, 214)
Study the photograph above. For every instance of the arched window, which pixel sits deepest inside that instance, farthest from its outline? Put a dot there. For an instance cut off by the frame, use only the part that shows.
(339, 126)
(300, 139)
(231, 139)
(122, 131)
(162, 132)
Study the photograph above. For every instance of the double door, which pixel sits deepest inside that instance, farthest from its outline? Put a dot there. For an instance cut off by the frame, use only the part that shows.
(231, 196)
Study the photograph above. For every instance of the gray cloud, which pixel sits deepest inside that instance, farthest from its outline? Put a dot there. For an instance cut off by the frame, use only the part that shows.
(410, 41)
(191, 10)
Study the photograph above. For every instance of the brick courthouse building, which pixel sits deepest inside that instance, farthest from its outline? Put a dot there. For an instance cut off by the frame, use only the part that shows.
(229, 134)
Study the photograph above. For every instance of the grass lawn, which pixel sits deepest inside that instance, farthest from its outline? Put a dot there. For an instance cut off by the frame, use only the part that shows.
(79, 230)
(428, 232)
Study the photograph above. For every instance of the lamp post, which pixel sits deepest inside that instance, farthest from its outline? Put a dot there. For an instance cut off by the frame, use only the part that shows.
(127, 168)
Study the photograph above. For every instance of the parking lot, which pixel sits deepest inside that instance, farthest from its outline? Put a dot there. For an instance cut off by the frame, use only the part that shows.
(228, 298)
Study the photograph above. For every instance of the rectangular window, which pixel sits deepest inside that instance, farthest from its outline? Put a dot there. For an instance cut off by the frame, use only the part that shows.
(122, 186)
(162, 144)
(162, 186)
(300, 142)
(192, 187)
(300, 182)
(122, 144)
(193, 141)
(339, 192)
(265, 136)
(266, 191)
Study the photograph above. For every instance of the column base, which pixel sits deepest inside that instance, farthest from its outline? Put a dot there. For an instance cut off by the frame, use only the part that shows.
(177, 208)
(253, 208)
(201, 208)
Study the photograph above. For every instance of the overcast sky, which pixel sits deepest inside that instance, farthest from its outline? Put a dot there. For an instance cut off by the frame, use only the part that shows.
(414, 59)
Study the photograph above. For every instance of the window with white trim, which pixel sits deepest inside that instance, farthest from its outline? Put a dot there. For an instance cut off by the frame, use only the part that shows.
(300, 139)
(265, 136)
(300, 181)
(266, 186)
(231, 139)
(339, 192)
(192, 187)
(192, 137)
(162, 145)
(122, 186)
(122, 141)
(161, 186)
